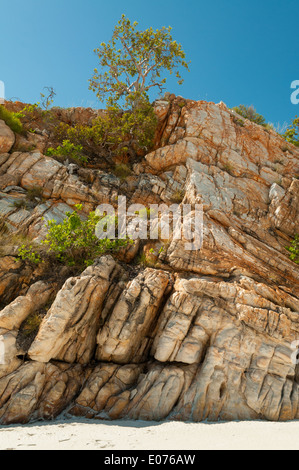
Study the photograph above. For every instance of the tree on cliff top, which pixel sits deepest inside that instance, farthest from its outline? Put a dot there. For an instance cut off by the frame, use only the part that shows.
(132, 63)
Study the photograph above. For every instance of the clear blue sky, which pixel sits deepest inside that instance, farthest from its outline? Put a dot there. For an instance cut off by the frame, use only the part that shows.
(240, 51)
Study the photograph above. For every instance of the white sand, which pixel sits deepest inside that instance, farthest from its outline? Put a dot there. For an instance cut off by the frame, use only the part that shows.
(139, 435)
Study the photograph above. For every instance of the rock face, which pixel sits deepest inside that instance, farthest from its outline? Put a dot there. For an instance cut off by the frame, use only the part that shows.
(68, 332)
(7, 138)
(197, 335)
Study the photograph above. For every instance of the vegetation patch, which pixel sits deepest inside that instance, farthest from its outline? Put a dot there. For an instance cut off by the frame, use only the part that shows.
(72, 243)
(11, 120)
(178, 196)
(69, 150)
(118, 134)
(294, 250)
(249, 112)
(292, 133)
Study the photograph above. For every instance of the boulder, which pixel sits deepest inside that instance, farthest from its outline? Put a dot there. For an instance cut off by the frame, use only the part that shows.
(7, 138)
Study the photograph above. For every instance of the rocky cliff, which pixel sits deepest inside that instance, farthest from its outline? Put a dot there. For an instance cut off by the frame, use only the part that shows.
(194, 335)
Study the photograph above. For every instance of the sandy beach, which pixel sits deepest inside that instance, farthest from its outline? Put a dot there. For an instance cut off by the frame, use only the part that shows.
(131, 435)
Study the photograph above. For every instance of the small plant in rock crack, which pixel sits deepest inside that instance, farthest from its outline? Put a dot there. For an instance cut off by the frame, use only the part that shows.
(178, 196)
(32, 199)
(32, 323)
(294, 249)
(228, 168)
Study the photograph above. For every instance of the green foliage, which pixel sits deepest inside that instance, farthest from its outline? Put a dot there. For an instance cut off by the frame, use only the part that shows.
(30, 113)
(28, 254)
(69, 150)
(132, 62)
(117, 133)
(270, 127)
(249, 112)
(294, 250)
(144, 261)
(33, 114)
(36, 111)
(11, 120)
(292, 133)
(74, 242)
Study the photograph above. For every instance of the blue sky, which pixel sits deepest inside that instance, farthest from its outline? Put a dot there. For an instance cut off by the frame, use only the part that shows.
(240, 51)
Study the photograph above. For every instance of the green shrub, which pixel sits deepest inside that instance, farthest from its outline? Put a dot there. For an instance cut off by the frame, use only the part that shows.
(30, 113)
(68, 150)
(292, 133)
(249, 112)
(118, 133)
(47, 98)
(294, 250)
(74, 242)
(28, 254)
(144, 261)
(11, 120)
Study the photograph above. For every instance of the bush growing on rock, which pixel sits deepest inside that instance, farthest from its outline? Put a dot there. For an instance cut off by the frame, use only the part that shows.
(30, 114)
(72, 242)
(68, 150)
(28, 254)
(292, 133)
(294, 250)
(117, 134)
(11, 120)
(249, 112)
